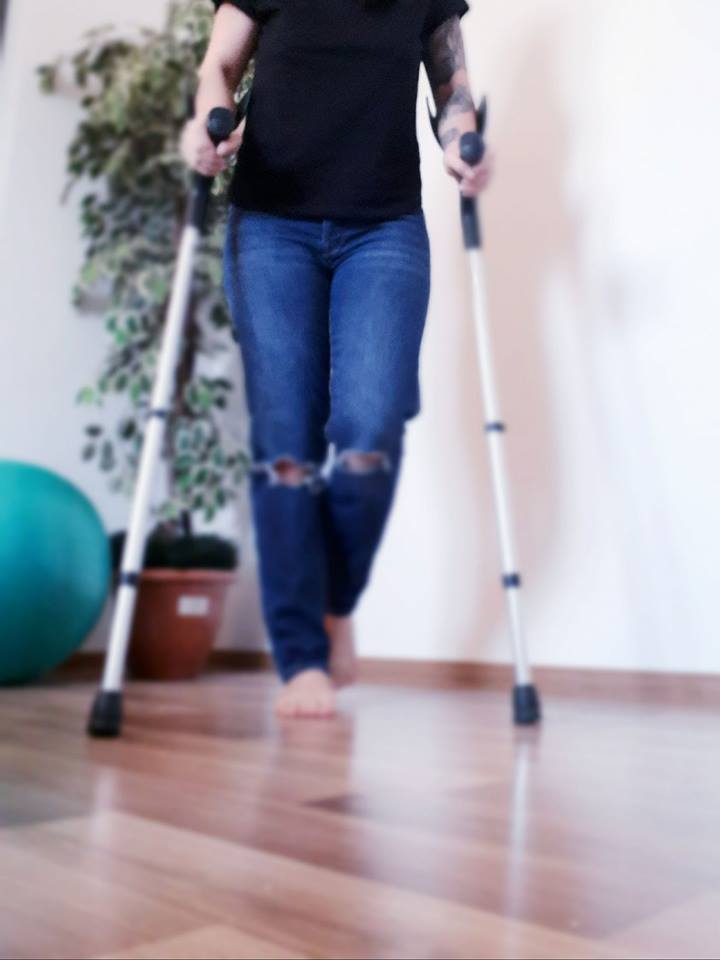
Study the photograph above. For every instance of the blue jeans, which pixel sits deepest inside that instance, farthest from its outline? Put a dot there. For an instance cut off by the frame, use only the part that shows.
(329, 316)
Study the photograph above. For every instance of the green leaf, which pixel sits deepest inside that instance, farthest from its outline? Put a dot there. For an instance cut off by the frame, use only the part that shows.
(136, 391)
(107, 456)
(215, 271)
(47, 74)
(156, 286)
(184, 481)
(90, 272)
(169, 510)
(218, 316)
(126, 428)
(182, 441)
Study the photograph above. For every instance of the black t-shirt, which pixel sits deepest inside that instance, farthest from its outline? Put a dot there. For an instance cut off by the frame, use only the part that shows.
(331, 124)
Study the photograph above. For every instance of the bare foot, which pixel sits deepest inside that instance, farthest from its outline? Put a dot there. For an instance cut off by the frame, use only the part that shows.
(343, 661)
(309, 694)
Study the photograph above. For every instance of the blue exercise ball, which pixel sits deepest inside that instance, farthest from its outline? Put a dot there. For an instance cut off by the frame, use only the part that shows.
(54, 570)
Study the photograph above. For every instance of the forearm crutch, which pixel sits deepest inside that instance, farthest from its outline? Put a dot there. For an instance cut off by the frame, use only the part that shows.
(105, 718)
(526, 702)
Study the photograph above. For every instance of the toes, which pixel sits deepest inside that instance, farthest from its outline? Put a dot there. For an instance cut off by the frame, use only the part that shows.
(326, 707)
(319, 707)
(308, 695)
(288, 707)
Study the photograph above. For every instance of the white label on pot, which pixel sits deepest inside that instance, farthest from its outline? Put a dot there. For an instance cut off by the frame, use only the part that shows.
(193, 606)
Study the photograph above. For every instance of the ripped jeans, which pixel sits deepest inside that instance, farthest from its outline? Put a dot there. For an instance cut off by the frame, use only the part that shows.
(329, 316)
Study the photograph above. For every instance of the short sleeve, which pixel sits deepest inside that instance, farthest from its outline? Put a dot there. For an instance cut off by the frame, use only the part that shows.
(438, 12)
(250, 7)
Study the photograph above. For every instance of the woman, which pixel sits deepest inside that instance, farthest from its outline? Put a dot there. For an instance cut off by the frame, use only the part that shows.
(327, 275)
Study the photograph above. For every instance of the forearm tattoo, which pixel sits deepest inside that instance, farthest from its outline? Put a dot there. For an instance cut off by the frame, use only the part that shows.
(444, 60)
(445, 54)
(447, 136)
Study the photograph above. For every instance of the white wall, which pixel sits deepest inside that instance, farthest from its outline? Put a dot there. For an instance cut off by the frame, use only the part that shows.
(602, 233)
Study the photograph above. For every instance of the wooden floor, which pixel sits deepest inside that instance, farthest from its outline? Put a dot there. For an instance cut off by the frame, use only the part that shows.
(419, 824)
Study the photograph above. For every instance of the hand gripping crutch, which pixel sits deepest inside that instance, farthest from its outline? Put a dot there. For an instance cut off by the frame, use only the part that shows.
(526, 702)
(105, 718)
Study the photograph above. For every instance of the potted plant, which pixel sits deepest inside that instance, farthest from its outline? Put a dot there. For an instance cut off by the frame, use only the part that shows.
(134, 92)
(180, 601)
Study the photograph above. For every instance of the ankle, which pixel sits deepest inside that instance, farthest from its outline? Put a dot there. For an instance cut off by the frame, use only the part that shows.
(314, 670)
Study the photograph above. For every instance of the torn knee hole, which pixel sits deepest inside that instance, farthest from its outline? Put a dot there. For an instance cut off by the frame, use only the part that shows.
(288, 472)
(361, 461)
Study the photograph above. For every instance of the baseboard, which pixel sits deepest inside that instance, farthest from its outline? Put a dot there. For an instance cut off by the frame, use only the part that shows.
(622, 685)
(588, 683)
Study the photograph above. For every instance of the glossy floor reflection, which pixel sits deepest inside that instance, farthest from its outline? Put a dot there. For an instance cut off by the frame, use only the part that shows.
(417, 824)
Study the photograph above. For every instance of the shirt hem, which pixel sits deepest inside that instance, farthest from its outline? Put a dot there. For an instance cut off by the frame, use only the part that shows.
(313, 212)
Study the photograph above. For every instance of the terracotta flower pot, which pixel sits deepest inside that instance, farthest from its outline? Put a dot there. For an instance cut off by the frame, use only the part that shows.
(177, 616)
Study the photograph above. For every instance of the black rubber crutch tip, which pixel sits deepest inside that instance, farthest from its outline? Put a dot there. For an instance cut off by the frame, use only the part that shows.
(105, 718)
(526, 705)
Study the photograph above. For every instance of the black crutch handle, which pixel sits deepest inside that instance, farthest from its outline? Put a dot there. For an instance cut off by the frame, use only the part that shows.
(220, 124)
(472, 144)
(472, 151)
